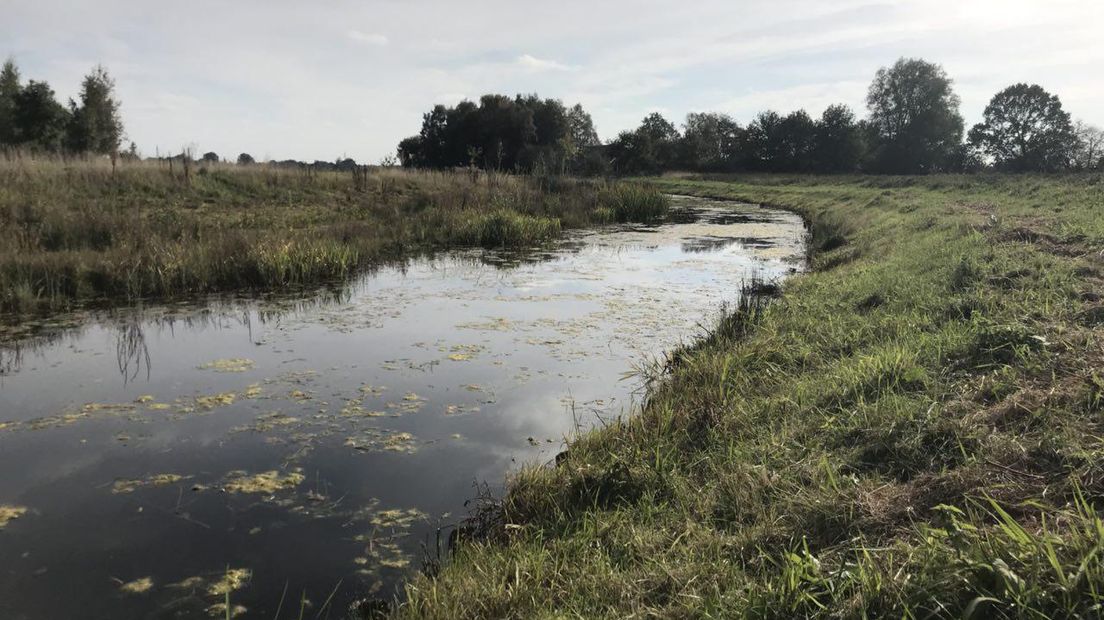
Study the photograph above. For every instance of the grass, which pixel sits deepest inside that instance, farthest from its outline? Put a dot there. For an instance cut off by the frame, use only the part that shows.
(912, 429)
(75, 232)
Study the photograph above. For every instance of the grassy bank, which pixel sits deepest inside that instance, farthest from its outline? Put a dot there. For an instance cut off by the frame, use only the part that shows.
(79, 231)
(914, 428)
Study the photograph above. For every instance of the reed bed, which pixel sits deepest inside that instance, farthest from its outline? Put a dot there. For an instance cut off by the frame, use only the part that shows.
(83, 230)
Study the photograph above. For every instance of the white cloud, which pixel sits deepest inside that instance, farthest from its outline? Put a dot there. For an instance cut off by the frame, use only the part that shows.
(272, 77)
(369, 38)
(533, 63)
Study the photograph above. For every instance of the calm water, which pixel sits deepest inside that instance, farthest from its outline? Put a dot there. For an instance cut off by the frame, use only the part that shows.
(166, 455)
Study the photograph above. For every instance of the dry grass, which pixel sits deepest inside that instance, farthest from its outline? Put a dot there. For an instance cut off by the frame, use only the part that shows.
(83, 231)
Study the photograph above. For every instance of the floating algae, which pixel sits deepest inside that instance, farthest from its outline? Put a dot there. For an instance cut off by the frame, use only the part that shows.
(396, 518)
(498, 324)
(158, 480)
(268, 482)
(219, 610)
(267, 422)
(252, 391)
(191, 583)
(400, 442)
(9, 513)
(465, 352)
(372, 390)
(354, 409)
(232, 580)
(216, 400)
(238, 364)
(370, 440)
(458, 409)
(138, 586)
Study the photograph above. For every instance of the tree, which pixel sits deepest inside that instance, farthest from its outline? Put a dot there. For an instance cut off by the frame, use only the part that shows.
(652, 147)
(40, 119)
(839, 141)
(796, 141)
(1089, 152)
(584, 146)
(523, 133)
(245, 159)
(581, 128)
(210, 157)
(710, 142)
(96, 126)
(9, 90)
(914, 117)
(763, 144)
(1025, 129)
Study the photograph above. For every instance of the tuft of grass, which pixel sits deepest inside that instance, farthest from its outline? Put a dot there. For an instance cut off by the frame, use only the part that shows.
(912, 429)
(634, 203)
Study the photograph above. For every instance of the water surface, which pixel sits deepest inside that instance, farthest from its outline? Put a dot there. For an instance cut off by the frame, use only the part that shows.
(313, 444)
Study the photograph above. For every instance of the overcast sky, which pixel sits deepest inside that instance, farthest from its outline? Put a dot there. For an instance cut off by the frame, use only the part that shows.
(317, 80)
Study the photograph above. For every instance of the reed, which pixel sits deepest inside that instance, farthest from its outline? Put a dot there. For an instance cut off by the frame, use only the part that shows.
(80, 230)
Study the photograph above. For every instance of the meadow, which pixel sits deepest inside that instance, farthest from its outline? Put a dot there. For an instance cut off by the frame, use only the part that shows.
(911, 429)
(82, 231)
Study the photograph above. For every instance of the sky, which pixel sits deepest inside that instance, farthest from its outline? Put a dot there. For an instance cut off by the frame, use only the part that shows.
(337, 78)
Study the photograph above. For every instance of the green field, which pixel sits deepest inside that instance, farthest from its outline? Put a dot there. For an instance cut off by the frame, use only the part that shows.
(913, 428)
(76, 232)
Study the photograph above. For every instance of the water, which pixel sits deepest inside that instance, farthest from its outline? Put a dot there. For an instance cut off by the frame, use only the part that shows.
(315, 443)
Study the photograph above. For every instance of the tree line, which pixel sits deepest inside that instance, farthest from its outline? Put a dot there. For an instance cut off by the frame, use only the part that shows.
(503, 133)
(913, 126)
(32, 118)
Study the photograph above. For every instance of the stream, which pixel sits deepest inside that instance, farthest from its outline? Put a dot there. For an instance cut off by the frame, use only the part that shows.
(303, 450)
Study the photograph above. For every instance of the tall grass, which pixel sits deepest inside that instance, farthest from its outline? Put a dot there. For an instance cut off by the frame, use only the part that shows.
(635, 203)
(915, 429)
(80, 230)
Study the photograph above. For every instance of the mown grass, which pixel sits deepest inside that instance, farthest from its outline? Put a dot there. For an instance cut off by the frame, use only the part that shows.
(913, 429)
(77, 231)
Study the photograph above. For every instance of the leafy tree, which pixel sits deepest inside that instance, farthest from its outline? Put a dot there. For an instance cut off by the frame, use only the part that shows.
(521, 133)
(1025, 129)
(40, 119)
(763, 143)
(584, 150)
(651, 148)
(9, 90)
(245, 159)
(210, 157)
(581, 128)
(96, 126)
(710, 142)
(797, 140)
(914, 117)
(1089, 153)
(839, 141)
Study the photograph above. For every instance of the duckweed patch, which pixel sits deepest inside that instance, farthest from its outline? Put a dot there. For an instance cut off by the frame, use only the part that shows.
(138, 586)
(9, 513)
(157, 480)
(268, 482)
(215, 401)
(238, 364)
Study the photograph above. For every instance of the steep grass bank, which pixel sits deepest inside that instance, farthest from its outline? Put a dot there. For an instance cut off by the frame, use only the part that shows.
(912, 429)
(74, 231)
